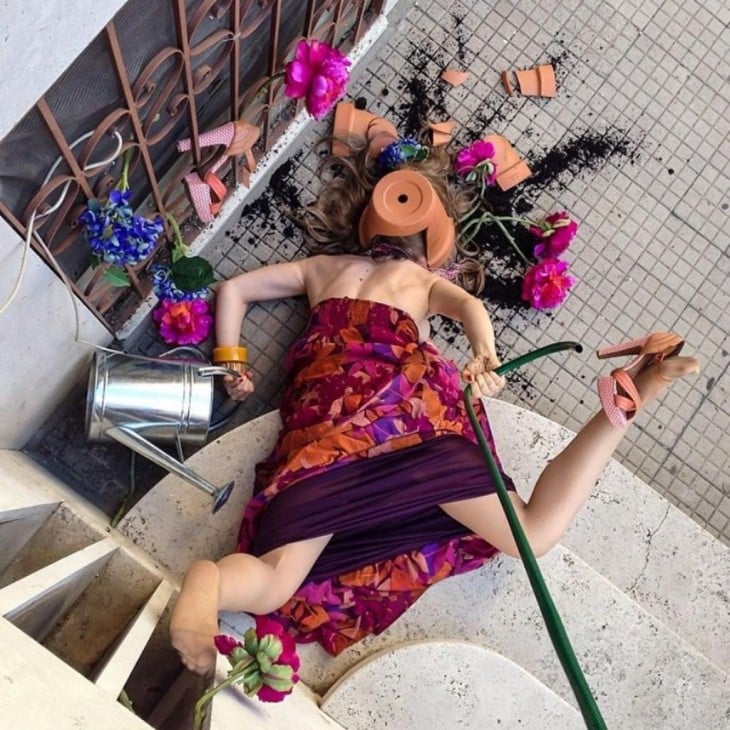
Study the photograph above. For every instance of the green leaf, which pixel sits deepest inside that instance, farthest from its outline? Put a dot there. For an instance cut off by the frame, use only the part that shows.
(237, 655)
(95, 260)
(116, 276)
(254, 685)
(280, 685)
(179, 251)
(280, 671)
(251, 641)
(191, 273)
(271, 646)
(264, 661)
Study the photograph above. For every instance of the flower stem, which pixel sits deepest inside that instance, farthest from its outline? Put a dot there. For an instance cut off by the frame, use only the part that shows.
(508, 236)
(179, 249)
(269, 81)
(522, 221)
(124, 177)
(233, 676)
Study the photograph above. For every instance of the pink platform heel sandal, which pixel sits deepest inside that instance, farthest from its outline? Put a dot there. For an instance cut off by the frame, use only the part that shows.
(206, 194)
(238, 138)
(620, 407)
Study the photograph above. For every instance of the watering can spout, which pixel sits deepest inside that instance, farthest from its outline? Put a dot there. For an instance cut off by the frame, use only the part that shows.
(135, 441)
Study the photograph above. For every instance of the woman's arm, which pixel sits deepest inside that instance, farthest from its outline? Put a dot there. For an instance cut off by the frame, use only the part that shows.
(452, 301)
(276, 281)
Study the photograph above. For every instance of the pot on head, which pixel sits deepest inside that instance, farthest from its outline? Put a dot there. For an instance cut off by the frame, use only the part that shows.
(403, 203)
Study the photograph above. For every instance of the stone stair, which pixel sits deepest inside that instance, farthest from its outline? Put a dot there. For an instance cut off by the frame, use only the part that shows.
(77, 597)
(84, 616)
(642, 590)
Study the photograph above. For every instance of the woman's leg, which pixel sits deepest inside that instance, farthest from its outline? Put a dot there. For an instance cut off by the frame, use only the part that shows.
(567, 481)
(237, 582)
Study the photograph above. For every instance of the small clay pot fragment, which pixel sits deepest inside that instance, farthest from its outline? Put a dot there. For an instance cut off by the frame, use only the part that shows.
(454, 77)
(441, 132)
(511, 168)
(538, 81)
(352, 122)
(507, 83)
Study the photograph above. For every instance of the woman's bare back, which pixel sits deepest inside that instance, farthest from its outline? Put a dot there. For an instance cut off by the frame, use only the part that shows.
(399, 283)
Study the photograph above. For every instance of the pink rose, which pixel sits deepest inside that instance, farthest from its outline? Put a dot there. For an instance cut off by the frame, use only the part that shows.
(554, 235)
(183, 323)
(546, 284)
(318, 74)
(477, 156)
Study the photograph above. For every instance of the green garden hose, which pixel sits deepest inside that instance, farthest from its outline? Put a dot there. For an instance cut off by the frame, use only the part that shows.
(556, 630)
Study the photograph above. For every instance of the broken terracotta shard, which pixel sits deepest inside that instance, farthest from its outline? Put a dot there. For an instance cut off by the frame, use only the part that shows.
(511, 168)
(454, 77)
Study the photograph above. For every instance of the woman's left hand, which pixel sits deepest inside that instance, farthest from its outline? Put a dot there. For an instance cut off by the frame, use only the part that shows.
(479, 373)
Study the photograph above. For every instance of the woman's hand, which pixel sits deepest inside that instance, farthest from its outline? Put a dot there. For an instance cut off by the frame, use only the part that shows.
(238, 388)
(479, 373)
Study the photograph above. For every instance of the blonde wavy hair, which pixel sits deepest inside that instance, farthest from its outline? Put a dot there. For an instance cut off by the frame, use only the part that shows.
(331, 221)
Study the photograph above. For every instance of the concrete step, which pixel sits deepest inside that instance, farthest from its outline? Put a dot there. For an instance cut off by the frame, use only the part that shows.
(81, 593)
(38, 690)
(114, 672)
(631, 535)
(642, 673)
(444, 684)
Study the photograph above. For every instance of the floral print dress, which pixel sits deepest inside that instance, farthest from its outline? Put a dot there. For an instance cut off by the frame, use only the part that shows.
(374, 437)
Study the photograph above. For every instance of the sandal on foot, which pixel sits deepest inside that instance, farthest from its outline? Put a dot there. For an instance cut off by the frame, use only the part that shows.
(206, 195)
(237, 137)
(621, 406)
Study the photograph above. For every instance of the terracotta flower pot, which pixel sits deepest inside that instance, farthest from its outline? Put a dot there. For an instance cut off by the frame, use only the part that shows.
(403, 203)
(352, 122)
(511, 168)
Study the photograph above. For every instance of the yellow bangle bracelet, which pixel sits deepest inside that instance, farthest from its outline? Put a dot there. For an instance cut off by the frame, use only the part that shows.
(230, 354)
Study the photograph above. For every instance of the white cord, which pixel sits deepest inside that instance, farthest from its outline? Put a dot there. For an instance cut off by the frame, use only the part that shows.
(30, 233)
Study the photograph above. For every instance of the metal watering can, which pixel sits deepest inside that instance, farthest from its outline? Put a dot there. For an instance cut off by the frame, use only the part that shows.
(133, 399)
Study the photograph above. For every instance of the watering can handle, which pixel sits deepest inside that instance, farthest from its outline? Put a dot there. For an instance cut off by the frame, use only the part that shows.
(217, 370)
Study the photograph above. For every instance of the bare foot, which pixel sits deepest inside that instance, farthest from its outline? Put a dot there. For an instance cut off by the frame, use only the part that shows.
(657, 378)
(194, 620)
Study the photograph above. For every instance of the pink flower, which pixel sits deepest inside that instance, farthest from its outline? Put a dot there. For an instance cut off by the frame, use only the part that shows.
(183, 323)
(319, 74)
(266, 625)
(477, 156)
(554, 235)
(226, 644)
(546, 284)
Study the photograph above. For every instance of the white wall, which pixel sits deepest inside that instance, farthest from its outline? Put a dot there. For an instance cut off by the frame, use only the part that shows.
(40, 362)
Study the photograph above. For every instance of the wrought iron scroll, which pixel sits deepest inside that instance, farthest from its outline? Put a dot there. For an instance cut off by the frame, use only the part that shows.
(213, 66)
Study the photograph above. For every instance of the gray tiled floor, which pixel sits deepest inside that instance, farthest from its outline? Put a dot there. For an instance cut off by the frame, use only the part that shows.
(652, 249)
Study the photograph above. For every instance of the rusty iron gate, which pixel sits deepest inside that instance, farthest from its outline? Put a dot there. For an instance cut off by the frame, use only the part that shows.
(158, 72)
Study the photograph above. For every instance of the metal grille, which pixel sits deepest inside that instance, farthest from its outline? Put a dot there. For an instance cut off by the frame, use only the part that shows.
(157, 73)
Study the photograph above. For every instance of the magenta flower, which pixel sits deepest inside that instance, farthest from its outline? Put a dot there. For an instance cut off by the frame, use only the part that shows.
(183, 323)
(318, 74)
(267, 661)
(554, 235)
(477, 156)
(226, 644)
(546, 284)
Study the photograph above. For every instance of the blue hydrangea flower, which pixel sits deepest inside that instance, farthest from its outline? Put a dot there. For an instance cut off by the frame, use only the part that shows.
(165, 288)
(401, 151)
(117, 236)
